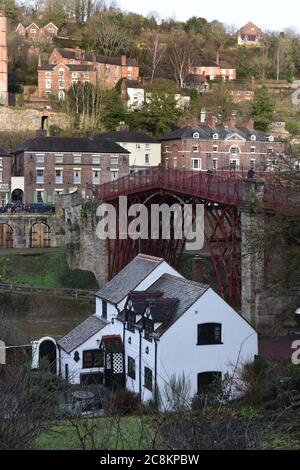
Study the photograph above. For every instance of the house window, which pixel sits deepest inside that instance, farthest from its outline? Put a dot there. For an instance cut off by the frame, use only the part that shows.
(252, 164)
(61, 95)
(96, 160)
(131, 367)
(195, 149)
(40, 158)
(147, 159)
(114, 160)
(67, 372)
(40, 176)
(215, 163)
(196, 163)
(74, 75)
(148, 328)
(77, 159)
(196, 135)
(48, 84)
(92, 359)
(59, 158)
(40, 197)
(215, 148)
(148, 379)
(234, 164)
(48, 74)
(147, 146)
(61, 72)
(207, 379)
(175, 162)
(96, 176)
(114, 175)
(234, 150)
(1, 161)
(215, 136)
(58, 176)
(252, 149)
(1, 176)
(209, 333)
(131, 321)
(61, 84)
(77, 176)
(253, 137)
(166, 148)
(104, 309)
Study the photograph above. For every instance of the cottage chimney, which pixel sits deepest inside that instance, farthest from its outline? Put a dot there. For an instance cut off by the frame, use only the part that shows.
(39, 60)
(203, 115)
(212, 122)
(197, 269)
(123, 60)
(77, 53)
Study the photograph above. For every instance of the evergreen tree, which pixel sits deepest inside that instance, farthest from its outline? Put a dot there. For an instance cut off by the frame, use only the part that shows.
(263, 109)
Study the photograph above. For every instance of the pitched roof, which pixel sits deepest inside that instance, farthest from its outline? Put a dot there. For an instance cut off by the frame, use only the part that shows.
(183, 291)
(126, 136)
(129, 278)
(206, 133)
(250, 28)
(71, 67)
(194, 79)
(71, 144)
(101, 59)
(81, 333)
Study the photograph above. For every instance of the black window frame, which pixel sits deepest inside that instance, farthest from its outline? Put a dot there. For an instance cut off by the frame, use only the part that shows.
(148, 379)
(131, 367)
(131, 319)
(209, 379)
(211, 336)
(94, 362)
(104, 309)
(148, 327)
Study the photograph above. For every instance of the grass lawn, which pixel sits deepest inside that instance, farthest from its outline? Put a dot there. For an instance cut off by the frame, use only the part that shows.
(128, 433)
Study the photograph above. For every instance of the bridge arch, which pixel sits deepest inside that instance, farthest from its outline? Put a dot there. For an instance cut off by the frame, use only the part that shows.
(40, 235)
(6, 236)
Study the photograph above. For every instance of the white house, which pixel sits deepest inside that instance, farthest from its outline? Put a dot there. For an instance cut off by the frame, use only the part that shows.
(152, 324)
(145, 150)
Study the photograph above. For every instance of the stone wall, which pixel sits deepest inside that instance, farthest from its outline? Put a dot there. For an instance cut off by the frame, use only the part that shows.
(19, 119)
(84, 250)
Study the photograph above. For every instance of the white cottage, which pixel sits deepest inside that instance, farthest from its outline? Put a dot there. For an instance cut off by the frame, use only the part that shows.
(151, 325)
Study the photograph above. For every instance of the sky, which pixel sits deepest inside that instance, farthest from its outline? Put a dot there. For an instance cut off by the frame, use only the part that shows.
(267, 14)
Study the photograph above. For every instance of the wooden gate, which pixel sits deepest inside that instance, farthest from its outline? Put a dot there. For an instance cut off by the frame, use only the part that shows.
(40, 236)
(6, 236)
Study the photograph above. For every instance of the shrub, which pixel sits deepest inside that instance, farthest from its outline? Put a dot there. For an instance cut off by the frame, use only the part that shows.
(124, 403)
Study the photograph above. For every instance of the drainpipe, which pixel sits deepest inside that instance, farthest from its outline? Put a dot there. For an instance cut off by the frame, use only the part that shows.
(140, 367)
(124, 361)
(155, 375)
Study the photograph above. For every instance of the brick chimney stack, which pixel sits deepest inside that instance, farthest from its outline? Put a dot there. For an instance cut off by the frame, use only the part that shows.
(3, 59)
(123, 60)
(77, 53)
(249, 124)
(212, 122)
(122, 127)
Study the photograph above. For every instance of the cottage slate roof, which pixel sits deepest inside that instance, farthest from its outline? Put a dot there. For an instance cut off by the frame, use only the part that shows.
(71, 144)
(140, 299)
(129, 278)
(71, 67)
(194, 79)
(184, 291)
(91, 326)
(206, 133)
(124, 136)
(101, 59)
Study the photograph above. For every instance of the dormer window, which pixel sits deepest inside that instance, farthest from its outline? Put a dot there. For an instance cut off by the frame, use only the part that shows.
(215, 136)
(253, 137)
(131, 321)
(196, 135)
(271, 138)
(148, 328)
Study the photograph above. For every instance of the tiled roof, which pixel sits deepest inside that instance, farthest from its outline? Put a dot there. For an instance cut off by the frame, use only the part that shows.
(140, 299)
(81, 333)
(71, 67)
(124, 136)
(70, 144)
(250, 28)
(194, 79)
(129, 278)
(101, 59)
(206, 133)
(184, 291)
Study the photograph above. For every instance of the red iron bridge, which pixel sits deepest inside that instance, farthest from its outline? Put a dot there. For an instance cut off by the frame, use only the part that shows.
(221, 193)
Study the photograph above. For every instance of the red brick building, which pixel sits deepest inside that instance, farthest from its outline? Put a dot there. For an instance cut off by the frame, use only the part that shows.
(106, 71)
(47, 166)
(212, 70)
(219, 147)
(34, 32)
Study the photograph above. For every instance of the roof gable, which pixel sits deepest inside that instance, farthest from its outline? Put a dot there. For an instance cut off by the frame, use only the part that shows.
(235, 136)
(33, 24)
(50, 24)
(79, 335)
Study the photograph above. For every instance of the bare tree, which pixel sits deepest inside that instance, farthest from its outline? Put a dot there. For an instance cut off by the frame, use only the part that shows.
(181, 56)
(156, 52)
(219, 37)
(106, 37)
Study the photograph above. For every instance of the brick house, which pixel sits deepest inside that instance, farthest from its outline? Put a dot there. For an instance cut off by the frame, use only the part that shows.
(219, 147)
(34, 32)
(109, 70)
(5, 176)
(212, 70)
(58, 79)
(47, 166)
(250, 35)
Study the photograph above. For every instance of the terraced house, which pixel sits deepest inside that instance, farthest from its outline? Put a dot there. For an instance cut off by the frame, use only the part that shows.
(46, 166)
(220, 147)
(68, 66)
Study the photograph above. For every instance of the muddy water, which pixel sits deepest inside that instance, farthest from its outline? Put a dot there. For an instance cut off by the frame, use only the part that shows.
(32, 317)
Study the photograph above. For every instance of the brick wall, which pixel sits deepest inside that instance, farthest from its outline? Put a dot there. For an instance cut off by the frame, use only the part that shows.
(55, 77)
